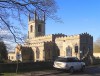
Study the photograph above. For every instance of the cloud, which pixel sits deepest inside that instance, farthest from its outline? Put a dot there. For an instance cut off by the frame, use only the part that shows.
(7, 37)
(5, 34)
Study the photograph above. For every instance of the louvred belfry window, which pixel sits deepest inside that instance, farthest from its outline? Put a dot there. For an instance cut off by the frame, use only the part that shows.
(39, 28)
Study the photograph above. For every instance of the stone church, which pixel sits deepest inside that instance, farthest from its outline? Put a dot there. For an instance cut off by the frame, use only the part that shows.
(41, 47)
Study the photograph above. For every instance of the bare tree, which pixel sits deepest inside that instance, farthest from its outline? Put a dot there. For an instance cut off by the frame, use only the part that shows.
(15, 9)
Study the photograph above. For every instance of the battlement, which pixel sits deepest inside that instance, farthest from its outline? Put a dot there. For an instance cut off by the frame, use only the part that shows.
(49, 36)
(39, 44)
(67, 37)
(86, 34)
(59, 35)
(73, 37)
(46, 38)
(36, 16)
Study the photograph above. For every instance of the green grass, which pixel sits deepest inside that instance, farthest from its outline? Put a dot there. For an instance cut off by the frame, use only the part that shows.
(8, 74)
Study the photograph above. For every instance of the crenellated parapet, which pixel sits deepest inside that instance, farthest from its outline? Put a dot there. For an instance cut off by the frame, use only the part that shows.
(49, 36)
(79, 36)
(59, 35)
(86, 34)
(46, 38)
(67, 37)
(86, 38)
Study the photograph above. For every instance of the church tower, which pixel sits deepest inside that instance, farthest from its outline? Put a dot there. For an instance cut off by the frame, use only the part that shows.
(36, 26)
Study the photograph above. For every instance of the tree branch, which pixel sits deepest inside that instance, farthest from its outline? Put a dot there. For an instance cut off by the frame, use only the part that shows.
(9, 28)
(23, 4)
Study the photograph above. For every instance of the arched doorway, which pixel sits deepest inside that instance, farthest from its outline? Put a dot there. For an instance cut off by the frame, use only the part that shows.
(68, 51)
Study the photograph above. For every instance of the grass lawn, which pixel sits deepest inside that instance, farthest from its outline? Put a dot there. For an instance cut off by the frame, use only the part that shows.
(9, 74)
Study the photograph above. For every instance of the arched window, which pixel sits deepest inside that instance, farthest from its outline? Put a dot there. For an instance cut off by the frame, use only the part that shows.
(68, 51)
(39, 28)
(31, 28)
(37, 53)
(76, 48)
(43, 54)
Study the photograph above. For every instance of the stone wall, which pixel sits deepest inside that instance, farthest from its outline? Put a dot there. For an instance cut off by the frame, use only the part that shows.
(12, 56)
(86, 43)
(49, 51)
(64, 42)
(96, 54)
(38, 49)
(46, 38)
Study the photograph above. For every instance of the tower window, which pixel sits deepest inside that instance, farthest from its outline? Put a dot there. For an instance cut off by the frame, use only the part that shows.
(39, 28)
(31, 28)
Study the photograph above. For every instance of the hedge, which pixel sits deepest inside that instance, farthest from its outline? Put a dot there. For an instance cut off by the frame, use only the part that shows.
(26, 66)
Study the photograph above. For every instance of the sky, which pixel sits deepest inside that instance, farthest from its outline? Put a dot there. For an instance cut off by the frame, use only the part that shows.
(78, 16)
